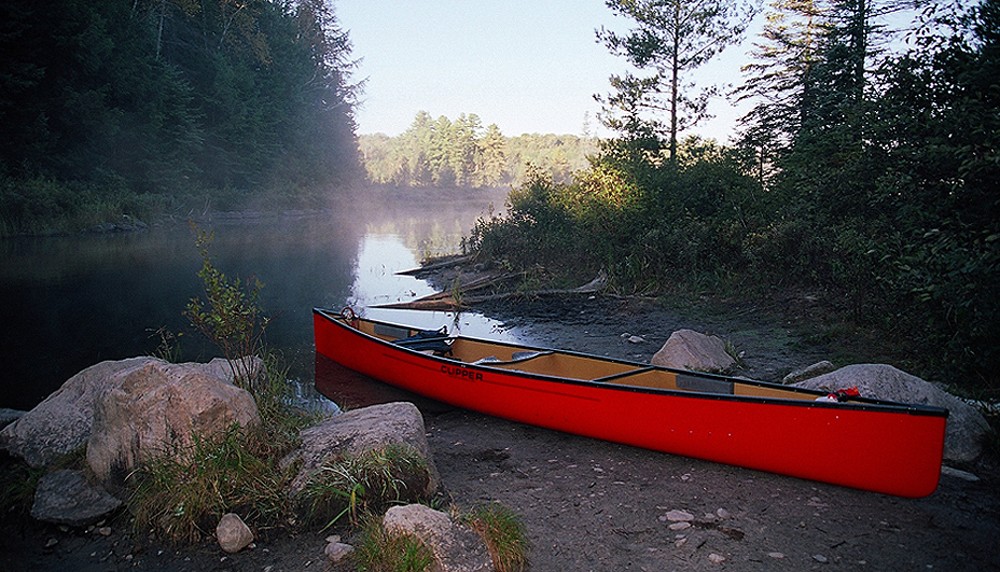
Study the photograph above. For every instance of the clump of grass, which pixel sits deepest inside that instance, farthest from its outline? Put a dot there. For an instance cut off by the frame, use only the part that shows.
(182, 494)
(736, 354)
(369, 482)
(381, 551)
(18, 482)
(504, 534)
(168, 349)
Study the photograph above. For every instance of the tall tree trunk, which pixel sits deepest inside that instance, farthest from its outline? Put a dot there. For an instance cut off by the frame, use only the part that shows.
(674, 85)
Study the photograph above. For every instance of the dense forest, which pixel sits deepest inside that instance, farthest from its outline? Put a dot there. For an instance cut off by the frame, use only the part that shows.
(462, 153)
(865, 175)
(126, 106)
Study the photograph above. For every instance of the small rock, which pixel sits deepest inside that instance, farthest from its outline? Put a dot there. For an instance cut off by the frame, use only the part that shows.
(722, 513)
(337, 551)
(51, 542)
(687, 349)
(66, 497)
(679, 516)
(680, 525)
(776, 555)
(233, 534)
(636, 339)
(716, 558)
(959, 474)
(454, 545)
(104, 531)
(820, 558)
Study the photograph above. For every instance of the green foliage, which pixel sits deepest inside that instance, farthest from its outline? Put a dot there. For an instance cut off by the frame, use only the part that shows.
(182, 494)
(230, 316)
(380, 551)
(877, 188)
(166, 98)
(365, 483)
(670, 40)
(504, 534)
(43, 205)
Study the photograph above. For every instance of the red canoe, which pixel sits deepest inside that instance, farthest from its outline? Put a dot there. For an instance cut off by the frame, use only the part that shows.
(880, 446)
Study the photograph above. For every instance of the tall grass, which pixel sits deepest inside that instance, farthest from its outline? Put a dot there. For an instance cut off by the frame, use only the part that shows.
(183, 493)
(41, 205)
(365, 483)
(504, 534)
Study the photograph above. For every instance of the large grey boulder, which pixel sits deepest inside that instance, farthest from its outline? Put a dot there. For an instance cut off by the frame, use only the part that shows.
(456, 548)
(61, 424)
(160, 408)
(64, 421)
(66, 497)
(691, 350)
(359, 431)
(966, 426)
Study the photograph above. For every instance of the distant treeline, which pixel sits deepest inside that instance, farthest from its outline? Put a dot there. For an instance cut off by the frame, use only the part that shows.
(118, 102)
(462, 153)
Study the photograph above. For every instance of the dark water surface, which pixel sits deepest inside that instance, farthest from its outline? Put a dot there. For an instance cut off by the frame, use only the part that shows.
(70, 302)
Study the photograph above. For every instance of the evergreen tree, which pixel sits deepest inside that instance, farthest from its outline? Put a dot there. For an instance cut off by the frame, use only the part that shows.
(784, 57)
(672, 38)
(170, 96)
(491, 168)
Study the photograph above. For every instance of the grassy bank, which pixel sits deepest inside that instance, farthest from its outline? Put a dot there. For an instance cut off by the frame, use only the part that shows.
(42, 206)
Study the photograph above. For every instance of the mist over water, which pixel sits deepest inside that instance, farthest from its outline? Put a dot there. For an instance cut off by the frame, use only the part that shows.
(70, 302)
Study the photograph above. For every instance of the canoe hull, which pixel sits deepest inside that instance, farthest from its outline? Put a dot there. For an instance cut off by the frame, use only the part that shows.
(892, 450)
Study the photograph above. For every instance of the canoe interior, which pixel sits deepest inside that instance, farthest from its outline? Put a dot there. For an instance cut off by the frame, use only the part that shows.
(569, 365)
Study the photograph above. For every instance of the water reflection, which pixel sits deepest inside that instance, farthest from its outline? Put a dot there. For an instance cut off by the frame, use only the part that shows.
(70, 302)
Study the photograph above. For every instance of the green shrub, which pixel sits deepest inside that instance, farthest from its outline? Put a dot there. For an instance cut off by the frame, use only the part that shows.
(230, 315)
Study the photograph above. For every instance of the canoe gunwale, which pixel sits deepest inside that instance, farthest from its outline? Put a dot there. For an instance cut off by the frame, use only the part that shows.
(608, 382)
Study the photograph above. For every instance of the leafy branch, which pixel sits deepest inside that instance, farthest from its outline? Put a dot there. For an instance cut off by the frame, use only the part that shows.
(230, 315)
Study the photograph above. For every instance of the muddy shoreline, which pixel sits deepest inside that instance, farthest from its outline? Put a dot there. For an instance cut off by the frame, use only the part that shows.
(593, 505)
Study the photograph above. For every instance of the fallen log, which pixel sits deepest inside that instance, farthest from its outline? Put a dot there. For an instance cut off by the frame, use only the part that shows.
(447, 301)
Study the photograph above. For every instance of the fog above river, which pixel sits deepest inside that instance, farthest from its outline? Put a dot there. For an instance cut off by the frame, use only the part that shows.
(74, 301)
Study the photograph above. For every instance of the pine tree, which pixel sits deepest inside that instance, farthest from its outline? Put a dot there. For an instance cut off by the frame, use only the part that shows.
(672, 38)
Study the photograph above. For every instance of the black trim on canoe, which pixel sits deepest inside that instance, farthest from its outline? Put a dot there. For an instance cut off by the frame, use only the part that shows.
(607, 382)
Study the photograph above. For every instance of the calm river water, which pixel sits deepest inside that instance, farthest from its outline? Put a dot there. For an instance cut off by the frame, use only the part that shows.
(70, 302)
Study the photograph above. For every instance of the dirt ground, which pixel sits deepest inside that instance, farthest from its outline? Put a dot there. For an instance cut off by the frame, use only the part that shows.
(592, 505)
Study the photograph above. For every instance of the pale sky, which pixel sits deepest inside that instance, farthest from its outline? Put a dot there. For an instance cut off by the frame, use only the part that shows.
(530, 66)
